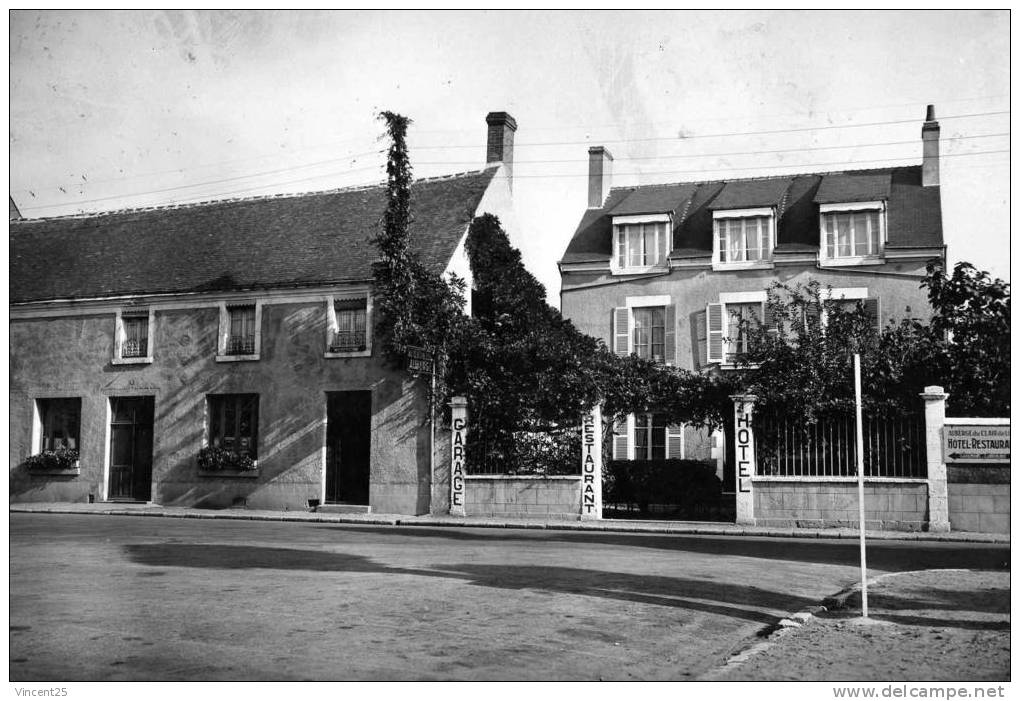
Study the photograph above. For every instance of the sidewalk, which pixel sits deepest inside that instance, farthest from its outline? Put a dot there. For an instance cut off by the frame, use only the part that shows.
(608, 525)
(933, 625)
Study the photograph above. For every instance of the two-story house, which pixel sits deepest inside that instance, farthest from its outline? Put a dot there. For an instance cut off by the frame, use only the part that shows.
(139, 337)
(668, 271)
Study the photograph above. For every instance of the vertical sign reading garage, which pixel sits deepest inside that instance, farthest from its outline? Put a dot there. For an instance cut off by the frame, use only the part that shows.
(743, 440)
(458, 442)
(591, 464)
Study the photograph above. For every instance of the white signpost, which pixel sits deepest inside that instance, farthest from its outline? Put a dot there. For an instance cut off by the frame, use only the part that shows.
(458, 442)
(591, 464)
(860, 483)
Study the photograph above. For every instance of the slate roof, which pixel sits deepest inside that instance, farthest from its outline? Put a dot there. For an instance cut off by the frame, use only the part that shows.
(914, 212)
(256, 243)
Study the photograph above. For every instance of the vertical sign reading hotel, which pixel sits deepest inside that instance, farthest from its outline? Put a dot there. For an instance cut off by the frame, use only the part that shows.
(458, 417)
(744, 444)
(591, 464)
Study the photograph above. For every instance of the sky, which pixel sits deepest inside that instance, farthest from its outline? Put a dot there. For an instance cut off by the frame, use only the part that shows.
(125, 109)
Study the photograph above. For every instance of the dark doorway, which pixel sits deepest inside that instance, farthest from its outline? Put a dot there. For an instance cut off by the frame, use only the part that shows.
(348, 447)
(131, 448)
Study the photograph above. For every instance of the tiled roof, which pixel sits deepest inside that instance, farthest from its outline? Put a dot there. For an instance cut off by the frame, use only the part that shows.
(742, 194)
(854, 187)
(914, 211)
(257, 243)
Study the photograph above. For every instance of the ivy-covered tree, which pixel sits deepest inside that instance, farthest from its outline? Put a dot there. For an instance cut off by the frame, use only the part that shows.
(413, 305)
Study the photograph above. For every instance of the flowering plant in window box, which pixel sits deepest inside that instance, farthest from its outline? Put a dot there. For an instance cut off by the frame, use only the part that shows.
(211, 459)
(60, 460)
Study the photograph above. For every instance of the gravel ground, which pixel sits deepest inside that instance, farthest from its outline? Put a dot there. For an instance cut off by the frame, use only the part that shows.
(936, 625)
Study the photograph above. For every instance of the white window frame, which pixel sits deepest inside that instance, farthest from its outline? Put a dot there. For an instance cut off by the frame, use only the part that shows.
(824, 260)
(726, 298)
(631, 435)
(120, 338)
(332, 325)
(764, 264)
(614, 263)
(642, 302)
(836, 294)
(224, 331)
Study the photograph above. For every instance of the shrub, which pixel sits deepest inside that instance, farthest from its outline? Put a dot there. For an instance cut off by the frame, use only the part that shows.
(52, 460)
(212, 459)
(688, 488)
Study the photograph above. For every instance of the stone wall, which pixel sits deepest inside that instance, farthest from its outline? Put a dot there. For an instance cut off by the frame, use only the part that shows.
(979, 498)
(888, 505)
(507, 495)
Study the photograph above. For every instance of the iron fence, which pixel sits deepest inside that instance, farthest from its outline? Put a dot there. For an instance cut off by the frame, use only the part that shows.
(893, 447)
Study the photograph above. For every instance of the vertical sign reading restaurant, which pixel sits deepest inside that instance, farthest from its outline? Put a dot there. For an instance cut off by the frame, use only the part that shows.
(591, 464)
(458, 441)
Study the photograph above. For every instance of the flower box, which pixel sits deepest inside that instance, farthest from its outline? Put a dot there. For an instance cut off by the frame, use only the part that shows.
(62, 461)
(220, 462)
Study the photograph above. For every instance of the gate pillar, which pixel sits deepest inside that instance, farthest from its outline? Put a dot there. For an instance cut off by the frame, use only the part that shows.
(938, 495)
(458, 443)
(591, 464)
(743, 440)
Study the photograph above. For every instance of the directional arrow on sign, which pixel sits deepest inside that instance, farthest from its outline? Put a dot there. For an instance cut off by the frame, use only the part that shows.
(976, 456)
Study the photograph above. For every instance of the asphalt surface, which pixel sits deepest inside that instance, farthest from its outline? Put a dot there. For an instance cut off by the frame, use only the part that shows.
(128, 598)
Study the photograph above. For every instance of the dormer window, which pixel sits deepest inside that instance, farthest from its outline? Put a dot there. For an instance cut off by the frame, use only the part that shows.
(743, 238)
(641, 242)
(852, 234)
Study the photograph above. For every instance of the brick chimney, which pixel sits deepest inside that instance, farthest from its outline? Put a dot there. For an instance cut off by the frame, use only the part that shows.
(930, 140)
(500, 148)
(600, 175)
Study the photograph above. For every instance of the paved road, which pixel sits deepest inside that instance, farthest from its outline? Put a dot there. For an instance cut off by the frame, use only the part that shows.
(115, 598)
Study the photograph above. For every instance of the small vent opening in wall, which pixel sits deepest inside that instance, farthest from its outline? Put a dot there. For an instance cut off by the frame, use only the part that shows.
(239, 503)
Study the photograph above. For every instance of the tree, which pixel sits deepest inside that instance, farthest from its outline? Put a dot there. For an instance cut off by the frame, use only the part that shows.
(413, 306)
(799, 362)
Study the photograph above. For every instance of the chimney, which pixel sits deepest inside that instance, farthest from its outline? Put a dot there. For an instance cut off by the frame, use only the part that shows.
(600, 175)
(500, 148)
(930, 140)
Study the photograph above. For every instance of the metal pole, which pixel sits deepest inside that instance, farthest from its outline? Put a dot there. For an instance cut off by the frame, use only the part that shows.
(432, 433)
(860, 483)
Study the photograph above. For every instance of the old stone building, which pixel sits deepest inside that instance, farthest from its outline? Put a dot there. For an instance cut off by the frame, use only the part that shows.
(140, 337)
(668, 271)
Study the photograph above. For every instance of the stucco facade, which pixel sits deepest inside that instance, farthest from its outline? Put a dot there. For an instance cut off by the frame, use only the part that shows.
(291, 378)
(323, 421)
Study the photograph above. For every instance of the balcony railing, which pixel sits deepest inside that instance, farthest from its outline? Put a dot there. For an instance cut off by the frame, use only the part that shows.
(241, 345)
(134, 349)
(346, 342)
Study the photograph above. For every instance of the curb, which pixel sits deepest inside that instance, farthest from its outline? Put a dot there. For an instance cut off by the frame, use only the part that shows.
(589, 526)
(772, 634)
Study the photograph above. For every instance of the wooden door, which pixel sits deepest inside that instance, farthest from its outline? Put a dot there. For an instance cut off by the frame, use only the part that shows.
(131, 448)
(348, 447)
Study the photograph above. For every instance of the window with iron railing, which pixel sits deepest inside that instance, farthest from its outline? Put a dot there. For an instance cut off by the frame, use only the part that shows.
(351, 331)
(136, 335)
(241, 336)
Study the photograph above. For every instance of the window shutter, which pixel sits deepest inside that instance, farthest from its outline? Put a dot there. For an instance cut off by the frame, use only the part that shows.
(675, 442)
(621, 331)
(873, 309)
(766, 317)
(621, 440)
(670, 342)
(715, 315)
(701, 332)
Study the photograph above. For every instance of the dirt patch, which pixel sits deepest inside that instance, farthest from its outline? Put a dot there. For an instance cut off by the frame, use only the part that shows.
(938, 625)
